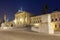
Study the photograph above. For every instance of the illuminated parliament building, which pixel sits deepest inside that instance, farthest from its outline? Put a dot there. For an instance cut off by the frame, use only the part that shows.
(46, 23)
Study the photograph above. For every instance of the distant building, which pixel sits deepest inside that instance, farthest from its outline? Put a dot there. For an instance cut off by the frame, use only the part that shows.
(46, 23)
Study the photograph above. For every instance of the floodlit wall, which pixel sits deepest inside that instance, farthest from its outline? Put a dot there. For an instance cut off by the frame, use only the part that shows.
(22, 18)
(55, 20)
(45, 25)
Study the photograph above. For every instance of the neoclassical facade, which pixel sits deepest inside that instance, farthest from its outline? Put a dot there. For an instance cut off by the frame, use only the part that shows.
(55, 20)
(47, 23)
(41, 23)
(22, 18)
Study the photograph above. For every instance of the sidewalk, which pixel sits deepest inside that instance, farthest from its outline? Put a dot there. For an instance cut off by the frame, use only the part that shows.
(33, 32)
(29, 31)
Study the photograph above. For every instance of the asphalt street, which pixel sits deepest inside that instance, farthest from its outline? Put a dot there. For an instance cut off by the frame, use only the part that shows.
(25, 35)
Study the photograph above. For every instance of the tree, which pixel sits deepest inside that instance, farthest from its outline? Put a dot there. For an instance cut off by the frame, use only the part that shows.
(55, 9)
(45, 9)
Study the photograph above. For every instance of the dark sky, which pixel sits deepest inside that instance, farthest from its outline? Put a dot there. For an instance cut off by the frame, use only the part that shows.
(10, 7)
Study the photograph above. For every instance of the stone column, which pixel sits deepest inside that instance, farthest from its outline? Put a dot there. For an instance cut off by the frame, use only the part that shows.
(50, 27)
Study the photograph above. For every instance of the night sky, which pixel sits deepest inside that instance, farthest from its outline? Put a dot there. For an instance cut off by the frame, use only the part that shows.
(10, 7)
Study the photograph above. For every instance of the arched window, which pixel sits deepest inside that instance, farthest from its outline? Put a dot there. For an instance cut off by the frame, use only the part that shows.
(52, 20)
(36, 21)
(56, 19)
(55, 26)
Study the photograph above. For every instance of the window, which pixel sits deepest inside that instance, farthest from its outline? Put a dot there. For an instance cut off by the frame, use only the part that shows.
(52, 20)
(36, 21)
(59, 19)
(56, 19)
(59, 26)
(55, 26)
(40, 20)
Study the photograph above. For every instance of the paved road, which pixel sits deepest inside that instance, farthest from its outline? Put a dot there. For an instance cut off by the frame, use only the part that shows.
(21, 35)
